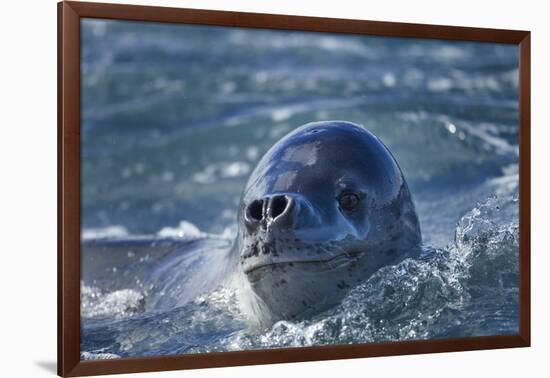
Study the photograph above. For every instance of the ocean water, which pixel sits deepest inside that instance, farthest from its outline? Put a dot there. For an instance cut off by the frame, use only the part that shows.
(174, 119)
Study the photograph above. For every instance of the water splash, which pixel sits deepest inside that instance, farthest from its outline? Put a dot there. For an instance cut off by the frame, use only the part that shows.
(469, 288)
(95, 303)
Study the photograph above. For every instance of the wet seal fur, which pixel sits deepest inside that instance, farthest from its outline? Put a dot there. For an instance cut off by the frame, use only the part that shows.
(325, 208)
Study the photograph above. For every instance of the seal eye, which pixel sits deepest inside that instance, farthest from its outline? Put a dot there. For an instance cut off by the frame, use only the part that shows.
(348, 201)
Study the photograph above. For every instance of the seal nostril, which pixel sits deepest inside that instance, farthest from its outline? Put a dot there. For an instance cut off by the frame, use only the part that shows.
(255, 210)
(278, 206)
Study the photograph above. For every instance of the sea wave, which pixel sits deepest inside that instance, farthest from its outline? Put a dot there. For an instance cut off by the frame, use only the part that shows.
(95, 303)
(469, 288)
(422, 298)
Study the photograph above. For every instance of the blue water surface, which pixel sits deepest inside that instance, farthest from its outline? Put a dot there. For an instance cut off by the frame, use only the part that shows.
(174, 118)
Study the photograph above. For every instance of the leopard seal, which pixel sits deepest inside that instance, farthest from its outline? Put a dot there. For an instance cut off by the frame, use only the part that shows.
(325, 208)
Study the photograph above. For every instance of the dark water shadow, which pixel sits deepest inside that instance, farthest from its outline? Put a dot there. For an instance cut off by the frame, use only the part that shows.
(49, 366)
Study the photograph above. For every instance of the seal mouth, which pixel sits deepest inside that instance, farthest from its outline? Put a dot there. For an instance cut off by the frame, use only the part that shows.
(333, 262)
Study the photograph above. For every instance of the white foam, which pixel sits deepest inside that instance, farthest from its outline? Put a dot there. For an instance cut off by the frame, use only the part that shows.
(214, 172)
(185, 229)
(104, 232)
(119, 303)
(441, 84)
(98, 356)
(389, 80)
(333, 44)
(235, 169)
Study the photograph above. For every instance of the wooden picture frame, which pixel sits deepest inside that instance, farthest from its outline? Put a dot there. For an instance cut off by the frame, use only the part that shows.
(69, 211)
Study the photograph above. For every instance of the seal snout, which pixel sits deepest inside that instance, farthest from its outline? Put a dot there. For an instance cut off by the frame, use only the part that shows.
(263, 213)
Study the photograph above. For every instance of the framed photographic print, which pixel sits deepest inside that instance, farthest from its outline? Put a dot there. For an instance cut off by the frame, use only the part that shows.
(239, 188)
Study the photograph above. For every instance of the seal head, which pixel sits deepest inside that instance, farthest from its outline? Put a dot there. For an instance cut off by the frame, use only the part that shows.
(325, 208)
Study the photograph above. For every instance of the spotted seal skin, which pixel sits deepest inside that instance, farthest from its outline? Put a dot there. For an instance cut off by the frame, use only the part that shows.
(325, 208)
